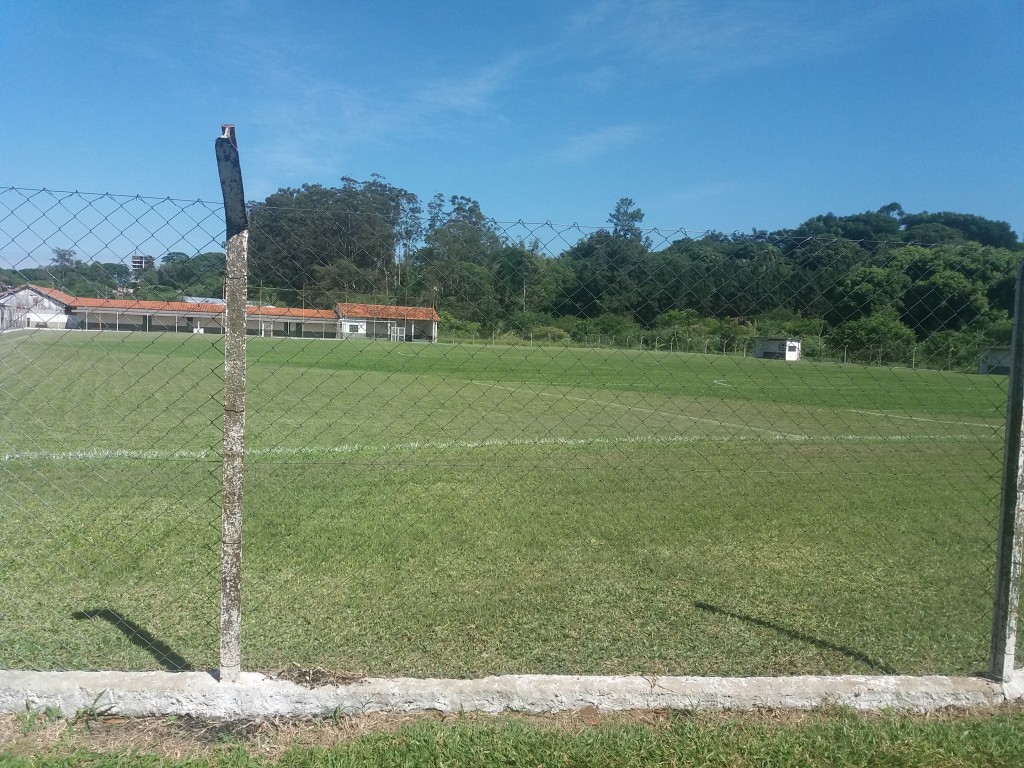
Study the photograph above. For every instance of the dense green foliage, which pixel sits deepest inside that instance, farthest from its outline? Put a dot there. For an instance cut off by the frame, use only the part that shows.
(882, 286)
(70, 274)
(178, 275)
(886, 285)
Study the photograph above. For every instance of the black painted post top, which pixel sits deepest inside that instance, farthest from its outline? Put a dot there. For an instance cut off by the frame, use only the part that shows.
(235, 217)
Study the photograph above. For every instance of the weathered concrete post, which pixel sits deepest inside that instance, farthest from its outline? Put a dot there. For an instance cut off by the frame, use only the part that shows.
(1011, 520)
(235, 290)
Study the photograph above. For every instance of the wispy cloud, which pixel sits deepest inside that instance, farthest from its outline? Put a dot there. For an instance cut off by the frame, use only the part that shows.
(592, 144)
(472, 91)
(713, 38)
(313, 120)
(315, 116)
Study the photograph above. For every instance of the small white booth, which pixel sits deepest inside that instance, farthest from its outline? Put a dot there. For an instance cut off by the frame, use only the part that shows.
(778, 348)
(994, 360)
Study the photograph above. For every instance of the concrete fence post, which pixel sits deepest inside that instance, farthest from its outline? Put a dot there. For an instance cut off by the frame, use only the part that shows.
(235, 290)
(1011, 519)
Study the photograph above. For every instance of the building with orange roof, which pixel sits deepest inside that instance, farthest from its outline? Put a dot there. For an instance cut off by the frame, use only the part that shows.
(33, 306)
(384, 321)
(29, 306)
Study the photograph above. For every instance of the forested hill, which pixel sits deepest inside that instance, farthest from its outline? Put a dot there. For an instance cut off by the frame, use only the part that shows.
(884, 283)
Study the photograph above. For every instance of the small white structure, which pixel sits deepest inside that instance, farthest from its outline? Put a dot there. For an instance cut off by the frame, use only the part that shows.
(777, 349)
(383, 321)
(994, 360)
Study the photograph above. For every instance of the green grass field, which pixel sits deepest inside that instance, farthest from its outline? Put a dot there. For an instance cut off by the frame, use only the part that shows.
(439, 510)
(830, 737)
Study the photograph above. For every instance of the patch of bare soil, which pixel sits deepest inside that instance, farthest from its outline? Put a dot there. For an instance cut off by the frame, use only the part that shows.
(314, 677)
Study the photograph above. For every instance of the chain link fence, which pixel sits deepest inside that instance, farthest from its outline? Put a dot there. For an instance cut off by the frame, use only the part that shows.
(110, 443)
(476, 447)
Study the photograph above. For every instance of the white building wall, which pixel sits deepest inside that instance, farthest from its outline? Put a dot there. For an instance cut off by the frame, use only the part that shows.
(28, 309)
(361, 327)
(353, 327)
(778, 349)
(995, 361)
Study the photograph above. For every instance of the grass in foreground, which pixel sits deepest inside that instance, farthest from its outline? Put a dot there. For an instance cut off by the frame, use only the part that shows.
(586, 738)
(447, 511)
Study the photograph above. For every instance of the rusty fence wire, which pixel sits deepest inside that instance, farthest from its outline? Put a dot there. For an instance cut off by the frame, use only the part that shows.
(476, 447)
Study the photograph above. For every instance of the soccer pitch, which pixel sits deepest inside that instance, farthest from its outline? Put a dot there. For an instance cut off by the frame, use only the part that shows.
(446, 510)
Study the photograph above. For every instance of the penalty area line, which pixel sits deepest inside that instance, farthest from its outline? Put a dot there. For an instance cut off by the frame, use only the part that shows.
(885, 415)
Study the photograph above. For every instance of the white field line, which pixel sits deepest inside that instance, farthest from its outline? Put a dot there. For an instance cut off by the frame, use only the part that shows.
(885, 415)
(641, 409)
(419, 445)
(112, 453)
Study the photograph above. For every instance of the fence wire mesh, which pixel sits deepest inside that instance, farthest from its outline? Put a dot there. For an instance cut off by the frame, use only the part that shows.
(476, 447)
(111, 440)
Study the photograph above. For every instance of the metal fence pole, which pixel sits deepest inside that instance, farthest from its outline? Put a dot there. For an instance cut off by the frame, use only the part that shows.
(236, 258)
(1011, 520)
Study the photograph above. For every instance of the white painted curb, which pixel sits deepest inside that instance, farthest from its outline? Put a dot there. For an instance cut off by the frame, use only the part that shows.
(256, 696)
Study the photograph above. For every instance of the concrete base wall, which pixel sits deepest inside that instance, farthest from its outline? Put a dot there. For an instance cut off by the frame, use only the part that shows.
(257, 696)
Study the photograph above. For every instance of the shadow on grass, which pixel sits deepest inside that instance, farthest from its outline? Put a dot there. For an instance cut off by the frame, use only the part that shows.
(801, 636)
(165, 655)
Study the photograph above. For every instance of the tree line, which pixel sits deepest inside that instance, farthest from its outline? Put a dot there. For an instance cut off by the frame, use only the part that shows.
(885, 285)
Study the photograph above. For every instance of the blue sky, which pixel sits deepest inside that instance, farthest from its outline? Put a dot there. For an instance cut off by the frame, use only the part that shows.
(709, 114)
